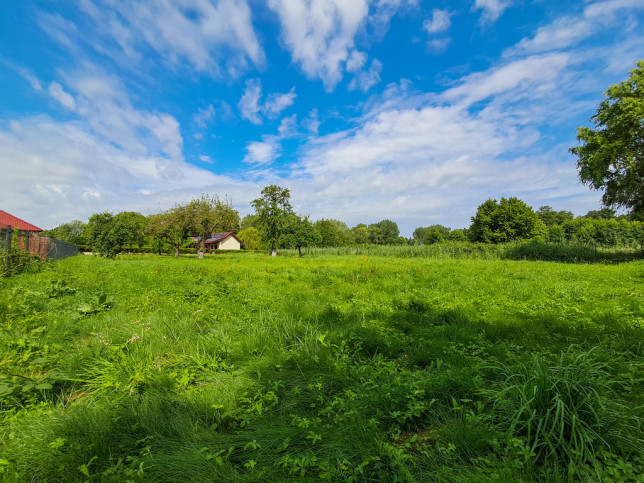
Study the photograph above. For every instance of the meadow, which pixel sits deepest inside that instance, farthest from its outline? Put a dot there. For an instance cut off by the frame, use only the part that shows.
(244, 367)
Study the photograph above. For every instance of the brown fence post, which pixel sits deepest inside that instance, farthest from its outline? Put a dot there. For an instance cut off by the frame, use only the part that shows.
(9, 230)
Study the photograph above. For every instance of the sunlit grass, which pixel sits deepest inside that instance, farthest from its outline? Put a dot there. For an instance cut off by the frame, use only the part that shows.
(252, 368)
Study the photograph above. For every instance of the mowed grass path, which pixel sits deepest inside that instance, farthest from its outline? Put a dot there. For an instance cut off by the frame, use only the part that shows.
(251, 368)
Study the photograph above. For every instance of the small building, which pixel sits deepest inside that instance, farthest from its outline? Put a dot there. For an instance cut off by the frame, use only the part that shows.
(8, 220)
(222, 241)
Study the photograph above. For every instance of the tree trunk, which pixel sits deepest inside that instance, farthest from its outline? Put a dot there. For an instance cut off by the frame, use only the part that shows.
(273, 252)
(202, 247)
(176, 250)
(299, 249)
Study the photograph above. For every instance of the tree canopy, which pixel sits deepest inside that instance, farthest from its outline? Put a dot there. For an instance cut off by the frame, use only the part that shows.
(273, 210)
(611, 155)
(508, 220)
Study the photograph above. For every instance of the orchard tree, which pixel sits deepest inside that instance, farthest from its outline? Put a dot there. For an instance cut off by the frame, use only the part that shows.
(300, 232)
(173, 226)
(508, 220)
(108, 234)
(208, 215)
(251, 238)
(274, 211)
(611, 155)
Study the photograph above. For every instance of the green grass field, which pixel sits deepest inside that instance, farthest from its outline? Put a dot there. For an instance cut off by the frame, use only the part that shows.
(340, 368)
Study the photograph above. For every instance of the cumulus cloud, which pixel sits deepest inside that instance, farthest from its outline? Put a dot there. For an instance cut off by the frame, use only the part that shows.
(63, 165)
(103, 102)
(262, 152)
(569, 30)
(250, 105)
(276, 103)
(492, 9)
(210, 36)
(367, 78)
(439, 22)
(288, 127)
(57, 92)
(320, 34)
(312, 123)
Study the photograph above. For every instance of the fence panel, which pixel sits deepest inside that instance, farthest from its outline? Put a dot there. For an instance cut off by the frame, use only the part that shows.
(41, 246)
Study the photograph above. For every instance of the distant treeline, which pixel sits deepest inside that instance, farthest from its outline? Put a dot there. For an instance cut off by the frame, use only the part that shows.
(495, 222)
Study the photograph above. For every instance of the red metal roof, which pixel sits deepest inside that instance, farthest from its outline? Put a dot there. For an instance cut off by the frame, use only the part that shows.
(7, 219)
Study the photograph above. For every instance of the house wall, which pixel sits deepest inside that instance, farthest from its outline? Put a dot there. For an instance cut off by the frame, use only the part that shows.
(229, 243)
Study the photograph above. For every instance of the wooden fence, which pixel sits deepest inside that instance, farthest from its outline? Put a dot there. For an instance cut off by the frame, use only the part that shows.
(41, 246)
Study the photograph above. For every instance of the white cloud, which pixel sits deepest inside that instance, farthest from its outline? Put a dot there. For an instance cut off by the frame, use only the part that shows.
(249, 103)
(439, 22)
(262, 152)
(320, 34)
(492, 9)
(203, 116)
(213, 36)
(438, 45)
(366, 79)
(57, 92)
(206, 159)
(288, 127)
(104, 105)
(569, 30)
(312, 123)
(77, 173)
(276, 103)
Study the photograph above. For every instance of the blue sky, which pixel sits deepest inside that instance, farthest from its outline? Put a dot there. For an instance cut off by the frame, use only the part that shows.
(412, 110)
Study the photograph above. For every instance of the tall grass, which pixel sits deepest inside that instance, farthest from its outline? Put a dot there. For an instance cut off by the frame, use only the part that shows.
(338, 368)
(567, 412)
(559, 252)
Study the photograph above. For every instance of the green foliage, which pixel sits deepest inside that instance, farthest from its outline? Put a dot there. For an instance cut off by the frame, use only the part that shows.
(611, 155)
(384, 232)
(273, 212)
(251, 238)
(339, 368)
(173, 227)
(208, 215)
(552, 218)
(72, 232)
(108, 234)
(508, 220)
(566, 412)
(299, 232)
(333, 233)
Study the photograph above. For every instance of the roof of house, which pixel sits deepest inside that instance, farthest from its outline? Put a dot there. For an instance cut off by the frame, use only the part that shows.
(7, 219)
(221, 236)
(217, 237)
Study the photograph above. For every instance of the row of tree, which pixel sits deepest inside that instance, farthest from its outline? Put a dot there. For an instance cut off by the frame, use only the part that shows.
(275, 225)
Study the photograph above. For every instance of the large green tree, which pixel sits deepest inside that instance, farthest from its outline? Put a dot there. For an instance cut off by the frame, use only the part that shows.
(611, 154)
(384, 232)
(108, 234)
(208, 215)
(508, 220)
(173, 226)
(274, 213)
(300, 232)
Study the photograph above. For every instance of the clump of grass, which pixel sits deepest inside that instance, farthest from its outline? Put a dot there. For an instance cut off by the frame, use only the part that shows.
(566, 413)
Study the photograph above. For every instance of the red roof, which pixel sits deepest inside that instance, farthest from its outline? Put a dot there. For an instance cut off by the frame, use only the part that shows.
(7, 219)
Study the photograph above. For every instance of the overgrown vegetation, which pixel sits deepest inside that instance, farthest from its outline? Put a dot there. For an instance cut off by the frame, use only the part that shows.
(361, 368)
